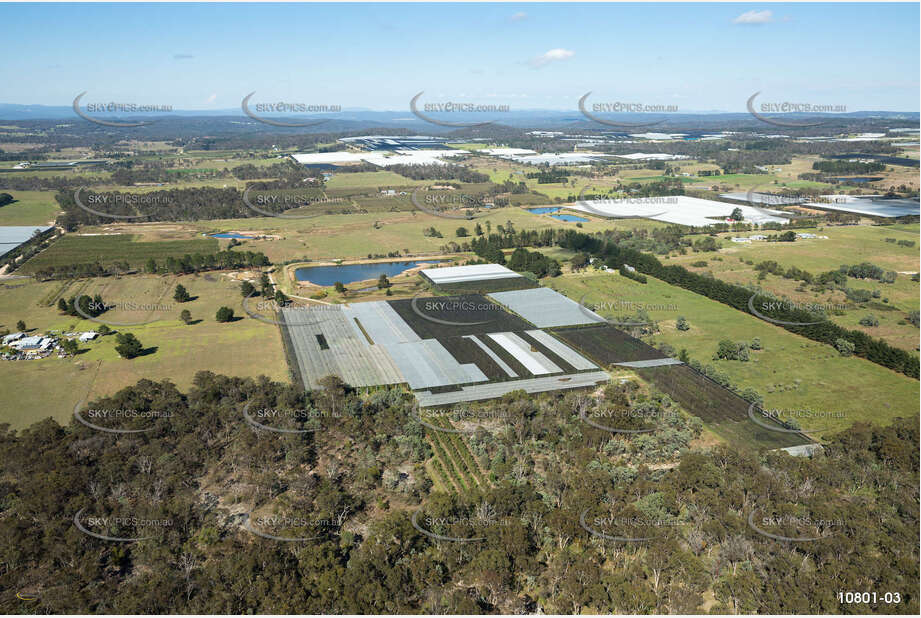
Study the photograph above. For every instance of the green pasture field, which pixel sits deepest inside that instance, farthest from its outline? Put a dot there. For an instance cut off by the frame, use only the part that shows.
(30, 207)
(365, 180)
(791, 372)
(52, 387)
(844, 245)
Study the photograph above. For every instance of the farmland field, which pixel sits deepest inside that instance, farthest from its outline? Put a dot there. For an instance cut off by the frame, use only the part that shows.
(789, 372)
(75, 249)
(724, 412)
(30, 207)
(355, 235)
(607, 344)
(369, 180)
(845, 245)
(245, 347)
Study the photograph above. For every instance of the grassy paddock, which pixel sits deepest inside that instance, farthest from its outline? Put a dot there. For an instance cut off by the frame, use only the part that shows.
(845, 245)
(791, 372)
(30, 207)
(51, 387)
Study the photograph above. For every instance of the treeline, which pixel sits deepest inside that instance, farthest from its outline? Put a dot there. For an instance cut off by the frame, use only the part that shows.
(23, 155)
(249, 171)
(189, 263)
(524, 261)
(549, 176)
(439, 172)
(34, 182)
(198, 262)
(82, 306)
(191, 204)
(829, 279)
(848, 167)
(874, 350)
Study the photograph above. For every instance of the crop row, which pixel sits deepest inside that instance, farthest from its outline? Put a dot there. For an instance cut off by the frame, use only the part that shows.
(441, 474)
(460, 450)
(448, 464)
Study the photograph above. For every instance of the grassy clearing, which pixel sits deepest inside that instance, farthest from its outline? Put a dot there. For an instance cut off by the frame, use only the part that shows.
(30, 208)
(791, 372)
(366, 180)
(52, 387)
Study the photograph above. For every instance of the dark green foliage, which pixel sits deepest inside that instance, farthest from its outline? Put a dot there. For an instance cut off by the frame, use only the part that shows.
(844, 347)
(626, 271)
(181, 295)
(200, 465)
(128, 345)
(535, 262)
(848, 167)
(224, 314)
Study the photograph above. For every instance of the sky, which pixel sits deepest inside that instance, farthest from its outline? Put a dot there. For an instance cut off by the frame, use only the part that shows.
(698, 57)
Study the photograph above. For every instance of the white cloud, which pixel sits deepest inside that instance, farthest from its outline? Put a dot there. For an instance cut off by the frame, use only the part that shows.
(520, 16)
(212, 98)
(551, 56)
(754, 17)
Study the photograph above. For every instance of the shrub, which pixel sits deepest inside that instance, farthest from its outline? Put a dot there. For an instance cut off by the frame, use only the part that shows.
(869, 320)
(224, 314)
(682, 323)
(729, 350)
(844, 347)
(914, 318)
(858, 296)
